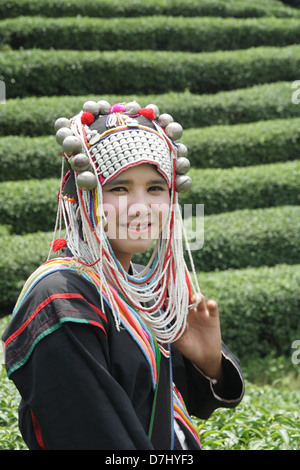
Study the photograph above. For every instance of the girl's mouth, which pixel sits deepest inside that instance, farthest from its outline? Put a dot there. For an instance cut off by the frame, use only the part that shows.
(139, 228)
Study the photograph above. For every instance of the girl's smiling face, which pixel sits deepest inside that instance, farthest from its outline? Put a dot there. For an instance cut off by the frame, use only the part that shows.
(136, 204)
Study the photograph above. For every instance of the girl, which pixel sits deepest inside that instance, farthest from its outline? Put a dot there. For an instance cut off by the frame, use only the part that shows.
(105, 353)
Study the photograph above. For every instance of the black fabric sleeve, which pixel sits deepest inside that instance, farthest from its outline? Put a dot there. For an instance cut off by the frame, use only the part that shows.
(201, 395)
(76, 402)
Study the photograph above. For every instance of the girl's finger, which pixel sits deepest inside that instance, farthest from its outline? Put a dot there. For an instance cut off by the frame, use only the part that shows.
(212, 307)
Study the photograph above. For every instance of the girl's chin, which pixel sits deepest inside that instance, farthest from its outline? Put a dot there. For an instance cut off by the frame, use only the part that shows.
(131, 246)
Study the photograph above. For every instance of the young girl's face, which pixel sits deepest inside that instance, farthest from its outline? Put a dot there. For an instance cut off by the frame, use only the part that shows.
(136, 204)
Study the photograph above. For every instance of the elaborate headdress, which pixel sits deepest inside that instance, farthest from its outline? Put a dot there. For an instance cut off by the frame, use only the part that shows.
(99, 143)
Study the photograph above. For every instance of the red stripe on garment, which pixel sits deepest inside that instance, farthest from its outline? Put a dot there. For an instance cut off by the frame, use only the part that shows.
(37, 432)
(43, 305)
(98, 325)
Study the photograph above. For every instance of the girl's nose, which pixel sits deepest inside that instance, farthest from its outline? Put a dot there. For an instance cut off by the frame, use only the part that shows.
(139, 209)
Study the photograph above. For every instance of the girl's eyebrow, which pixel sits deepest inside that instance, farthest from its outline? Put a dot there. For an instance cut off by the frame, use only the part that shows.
(119, 182)
(158, 181)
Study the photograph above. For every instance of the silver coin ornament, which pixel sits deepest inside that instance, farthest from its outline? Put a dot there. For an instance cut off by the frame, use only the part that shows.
(183, 183)
(104, 107)
(62, 122)
(62, 133)
(86, 180)
(71, 145)
(182, 165)
(174, 130)
(80, 162)
(165, 119)
(182, 151)
(92, 107)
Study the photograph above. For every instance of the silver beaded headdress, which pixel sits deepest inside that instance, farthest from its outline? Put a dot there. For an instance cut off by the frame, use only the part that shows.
(99, 143)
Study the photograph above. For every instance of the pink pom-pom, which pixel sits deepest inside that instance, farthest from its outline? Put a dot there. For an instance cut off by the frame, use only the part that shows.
(117, 108)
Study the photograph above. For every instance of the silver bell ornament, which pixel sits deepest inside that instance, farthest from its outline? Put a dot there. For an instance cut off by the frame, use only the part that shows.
(155, 109)
(71, 145)
(62, 133)
(92, 107)
(80, 162)
(183, 183)
(174, 130)
(86, 180)
(182, 151)
(182, 165)
(104, 107)
(61, 122)
(132, 108)
(165, 119)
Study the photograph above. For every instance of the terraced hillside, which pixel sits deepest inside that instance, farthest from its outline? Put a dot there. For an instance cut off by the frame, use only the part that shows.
(227, 71)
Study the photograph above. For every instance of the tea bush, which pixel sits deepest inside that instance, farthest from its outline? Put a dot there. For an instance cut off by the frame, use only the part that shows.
(41, 72)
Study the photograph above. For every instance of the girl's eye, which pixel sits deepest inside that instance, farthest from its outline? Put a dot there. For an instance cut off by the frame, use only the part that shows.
(156, 188)
(118, 189)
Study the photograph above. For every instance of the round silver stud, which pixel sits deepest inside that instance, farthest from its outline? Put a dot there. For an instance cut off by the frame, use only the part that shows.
(86, 180)
(80, 162)
(104, 107)
(182, 151)
(62, 133)
(182, 165)
(92, 107)
(132, 108)
(71, 145)
(61, 122)
(165, 119)
(174, 130)
(183, 183)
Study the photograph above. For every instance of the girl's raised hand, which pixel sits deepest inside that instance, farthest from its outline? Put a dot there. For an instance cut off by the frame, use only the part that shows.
(201, 341)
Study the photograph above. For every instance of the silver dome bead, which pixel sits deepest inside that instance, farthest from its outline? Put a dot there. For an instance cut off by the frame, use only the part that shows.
(182, 165)
(183, 183)
(92, 107)
(72, 145)
(61, 122)
(132, 108)
(86, 180)
(182, 151)
(155, 109)
(165, 119)
(104, 107)
(80, 162)
(62, 133)
(174, 131)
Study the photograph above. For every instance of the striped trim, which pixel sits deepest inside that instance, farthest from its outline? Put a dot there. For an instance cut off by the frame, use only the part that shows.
(38, 433)
(181, 413)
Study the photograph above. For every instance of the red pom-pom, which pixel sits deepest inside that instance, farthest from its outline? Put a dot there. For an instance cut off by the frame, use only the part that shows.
(87, 118)
(58, 244)
(147, 113)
